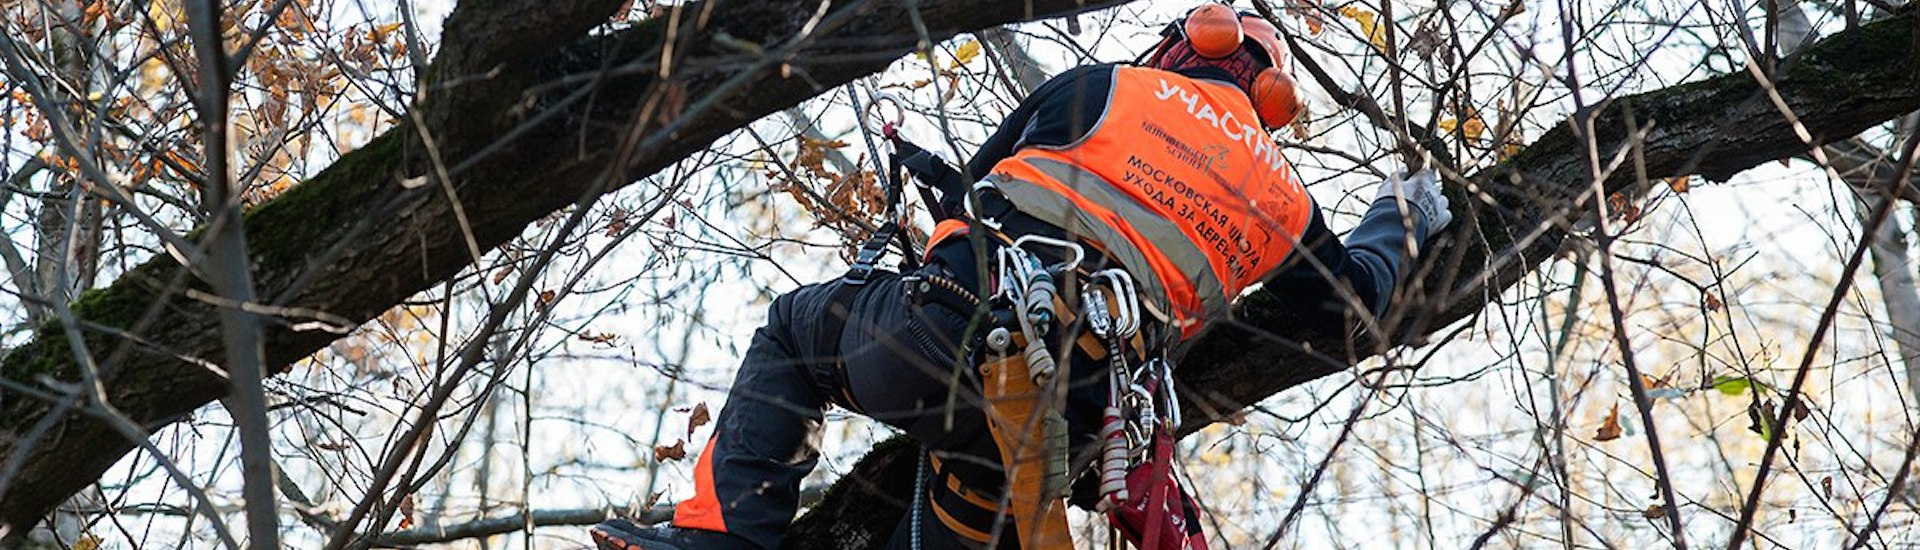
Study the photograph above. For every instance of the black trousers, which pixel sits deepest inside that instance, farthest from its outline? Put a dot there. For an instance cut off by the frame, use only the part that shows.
(900, 364)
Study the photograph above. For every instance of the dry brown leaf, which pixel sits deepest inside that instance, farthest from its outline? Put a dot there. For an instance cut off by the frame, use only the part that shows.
(292, 21)
(966, 53)
(1761, 416)
(700, 417)
(1679, 184)
(1299, 125)
(1609, 428)
(406, 512)
(618, 223)
(1650, 383)
(1425, 41)
(1238, 418)
(379, 33)
(1369, 25)
(1713, 302)
(1623, 209)
(1654, 512)
(1516, 7)
(663, 453)
(1510, 149)
(94, 11)
(1315, 23)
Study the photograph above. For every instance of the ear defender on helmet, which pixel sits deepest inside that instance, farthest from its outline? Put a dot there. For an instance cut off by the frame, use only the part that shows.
(1274, 94)
(1274, 97)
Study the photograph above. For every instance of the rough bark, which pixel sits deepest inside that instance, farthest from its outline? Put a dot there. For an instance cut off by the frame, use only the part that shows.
(352, 241)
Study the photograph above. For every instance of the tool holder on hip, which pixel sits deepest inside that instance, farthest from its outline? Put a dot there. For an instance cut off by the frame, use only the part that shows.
(1024, 384)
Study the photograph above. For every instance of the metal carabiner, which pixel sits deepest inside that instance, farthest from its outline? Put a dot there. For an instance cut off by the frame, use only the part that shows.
(1126, 301)
(1079, 253)
(1099, 318)
(1164, 370)
(1016, 268)
(888, 127)
(973, 210)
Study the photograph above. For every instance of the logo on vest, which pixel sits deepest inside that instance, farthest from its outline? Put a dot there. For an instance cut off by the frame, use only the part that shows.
(1214, 156)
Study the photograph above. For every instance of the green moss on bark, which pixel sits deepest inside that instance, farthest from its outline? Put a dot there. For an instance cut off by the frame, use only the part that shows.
(281, 232)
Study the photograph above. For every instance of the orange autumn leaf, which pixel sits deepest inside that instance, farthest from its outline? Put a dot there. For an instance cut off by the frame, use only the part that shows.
(406, 512)
(1369, 25)
(1610, 428)
(1473, 128)
(1679, 184)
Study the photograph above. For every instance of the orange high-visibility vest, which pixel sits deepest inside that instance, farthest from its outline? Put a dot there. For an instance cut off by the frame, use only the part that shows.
(1178, 183)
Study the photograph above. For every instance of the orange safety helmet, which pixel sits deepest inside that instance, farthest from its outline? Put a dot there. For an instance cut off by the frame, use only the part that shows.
(1215, 31)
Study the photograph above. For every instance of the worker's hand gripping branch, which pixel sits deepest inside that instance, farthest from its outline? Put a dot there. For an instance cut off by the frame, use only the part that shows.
(1420, 190)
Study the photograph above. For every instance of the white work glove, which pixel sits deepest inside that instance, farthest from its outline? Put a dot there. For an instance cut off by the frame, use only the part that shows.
(1420, 190)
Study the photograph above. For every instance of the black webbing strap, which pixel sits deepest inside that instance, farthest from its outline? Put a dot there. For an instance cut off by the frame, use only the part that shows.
(827, 373)
(826, 367)
(933, 174)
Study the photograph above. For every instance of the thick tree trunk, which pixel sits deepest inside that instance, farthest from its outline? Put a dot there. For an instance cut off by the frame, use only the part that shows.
(352, 241)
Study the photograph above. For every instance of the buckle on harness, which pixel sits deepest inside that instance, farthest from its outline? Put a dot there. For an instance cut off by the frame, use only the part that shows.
(869, 256)
(864, 263)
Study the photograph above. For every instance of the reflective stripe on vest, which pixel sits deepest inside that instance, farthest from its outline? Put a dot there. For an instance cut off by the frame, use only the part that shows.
(1097, 211)
(1178, 183)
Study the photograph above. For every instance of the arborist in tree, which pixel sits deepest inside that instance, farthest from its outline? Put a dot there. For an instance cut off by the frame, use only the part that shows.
(1116, 214)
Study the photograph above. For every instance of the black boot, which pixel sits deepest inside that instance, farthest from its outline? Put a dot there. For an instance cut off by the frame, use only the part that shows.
(620, 534)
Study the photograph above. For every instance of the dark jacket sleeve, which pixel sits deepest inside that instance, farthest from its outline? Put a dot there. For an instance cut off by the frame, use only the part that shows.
(1059, 113)
(1370, 262)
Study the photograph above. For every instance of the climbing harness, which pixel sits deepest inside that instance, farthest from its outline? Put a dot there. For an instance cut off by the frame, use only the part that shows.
(1036, 310)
